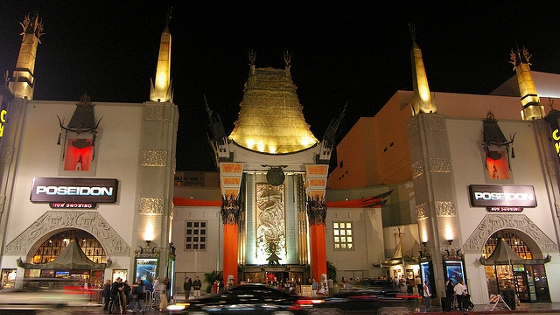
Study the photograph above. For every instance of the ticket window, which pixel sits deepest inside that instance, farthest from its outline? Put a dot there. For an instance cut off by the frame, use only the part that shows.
(8, 278)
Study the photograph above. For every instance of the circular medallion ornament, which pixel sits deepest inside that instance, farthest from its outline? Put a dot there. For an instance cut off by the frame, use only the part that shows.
(275, 176)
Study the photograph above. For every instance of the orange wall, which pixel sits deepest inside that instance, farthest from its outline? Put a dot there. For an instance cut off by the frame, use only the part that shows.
(376, 152)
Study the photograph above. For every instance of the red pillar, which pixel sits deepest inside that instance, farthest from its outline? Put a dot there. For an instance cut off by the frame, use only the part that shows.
(318, 250)
(230, 251)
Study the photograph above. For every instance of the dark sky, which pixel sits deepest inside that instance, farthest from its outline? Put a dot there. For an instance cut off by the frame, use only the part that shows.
(342, 51)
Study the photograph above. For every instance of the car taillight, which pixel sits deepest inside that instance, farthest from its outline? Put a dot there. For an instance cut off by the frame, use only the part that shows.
(305, 303)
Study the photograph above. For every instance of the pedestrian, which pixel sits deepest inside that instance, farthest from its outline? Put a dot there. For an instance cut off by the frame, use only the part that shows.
(427, 296)
(418, 282)
(106, 294)
(162, 288)
(314, 287)
(460, 292)
(127, 293)
(117, 292)
(215, 287)
(187, 287)
(138, 296)
(449, 295)
(197, 284)
(155, 292)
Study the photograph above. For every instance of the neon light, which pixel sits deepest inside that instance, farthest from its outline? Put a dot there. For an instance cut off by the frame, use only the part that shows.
(3, 114)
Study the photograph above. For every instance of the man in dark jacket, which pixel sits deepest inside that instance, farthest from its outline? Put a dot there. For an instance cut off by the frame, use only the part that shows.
(187, 287)
(450, 296)
(106, 294)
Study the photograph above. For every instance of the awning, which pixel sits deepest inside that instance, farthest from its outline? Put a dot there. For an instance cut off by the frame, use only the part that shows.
(504, 255)
(71, 258)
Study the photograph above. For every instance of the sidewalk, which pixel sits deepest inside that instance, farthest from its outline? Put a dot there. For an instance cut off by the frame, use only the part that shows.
(528, 308)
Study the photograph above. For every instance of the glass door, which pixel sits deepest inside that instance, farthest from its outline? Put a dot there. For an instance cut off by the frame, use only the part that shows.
(521, 287)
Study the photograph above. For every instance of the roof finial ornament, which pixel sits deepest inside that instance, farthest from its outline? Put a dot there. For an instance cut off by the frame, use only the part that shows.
(252, 57)
(287, 58)
(288, 63)
(412, 29)
(168, 16)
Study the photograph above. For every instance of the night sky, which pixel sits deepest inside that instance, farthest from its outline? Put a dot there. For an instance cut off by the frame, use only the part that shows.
(355, 52)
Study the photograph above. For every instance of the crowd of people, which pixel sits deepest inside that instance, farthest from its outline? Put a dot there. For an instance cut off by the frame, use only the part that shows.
(134, 297)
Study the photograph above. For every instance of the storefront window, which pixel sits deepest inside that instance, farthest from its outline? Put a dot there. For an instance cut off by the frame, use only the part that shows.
(51, 248)
(516, 243)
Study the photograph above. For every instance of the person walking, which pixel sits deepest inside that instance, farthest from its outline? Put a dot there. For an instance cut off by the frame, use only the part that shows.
(197, 284)
(187, 287)
(427, 296)
(460, 292)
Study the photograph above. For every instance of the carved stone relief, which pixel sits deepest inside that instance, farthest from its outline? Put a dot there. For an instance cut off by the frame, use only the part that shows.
(6, 154)
(156, 112)
(445, 209)
(495, 222)
(154, 158)
(417, 169)
(422, 211)
(52, 221)
(151, 206)
(434, 123)
(440, 165)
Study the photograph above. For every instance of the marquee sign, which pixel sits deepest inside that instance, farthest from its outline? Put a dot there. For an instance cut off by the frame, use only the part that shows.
(504, 198)
(74, 191)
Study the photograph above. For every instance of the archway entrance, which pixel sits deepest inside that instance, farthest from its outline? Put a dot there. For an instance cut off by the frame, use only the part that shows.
(70, 258)
(511, 268)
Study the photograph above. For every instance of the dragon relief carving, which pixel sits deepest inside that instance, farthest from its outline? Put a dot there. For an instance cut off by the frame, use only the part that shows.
(495, 222)
(51, 221)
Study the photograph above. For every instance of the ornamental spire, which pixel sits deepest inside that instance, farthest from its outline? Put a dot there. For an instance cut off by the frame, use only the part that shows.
(161, 87)
(23, 81)
(422, 99)
(532, 108)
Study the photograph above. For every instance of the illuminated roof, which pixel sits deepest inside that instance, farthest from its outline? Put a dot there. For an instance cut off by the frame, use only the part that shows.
(271, 117)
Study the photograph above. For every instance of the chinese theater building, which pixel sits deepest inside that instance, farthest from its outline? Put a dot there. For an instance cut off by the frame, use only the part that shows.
(86, 187)
(483, 178)
(271, 209)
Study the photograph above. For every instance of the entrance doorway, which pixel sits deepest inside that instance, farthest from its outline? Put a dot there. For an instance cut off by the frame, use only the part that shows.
(510, 266)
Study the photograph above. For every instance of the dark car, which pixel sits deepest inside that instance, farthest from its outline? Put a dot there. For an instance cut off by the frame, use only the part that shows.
(372, 297)
(253, 299)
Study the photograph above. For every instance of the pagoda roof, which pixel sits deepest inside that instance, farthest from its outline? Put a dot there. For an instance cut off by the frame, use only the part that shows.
(271, 117)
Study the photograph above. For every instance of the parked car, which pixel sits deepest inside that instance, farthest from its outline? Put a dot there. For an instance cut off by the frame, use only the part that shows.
(251, 299)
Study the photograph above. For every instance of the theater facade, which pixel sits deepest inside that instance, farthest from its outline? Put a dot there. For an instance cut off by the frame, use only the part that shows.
(86, 186)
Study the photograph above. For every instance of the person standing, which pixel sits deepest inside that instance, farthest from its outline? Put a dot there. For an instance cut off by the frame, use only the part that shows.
(314, 287)
(187, 287)
(138, 296)
(460, 291)
(162, 289)
(196, 286)
(106, 294)
(156, 291)
(117, 292)
(427, 296)
(449, 295)
(418, 282)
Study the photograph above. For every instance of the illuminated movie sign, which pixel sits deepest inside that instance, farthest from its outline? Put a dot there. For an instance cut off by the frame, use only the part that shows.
(74, 191)
(502, 198)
